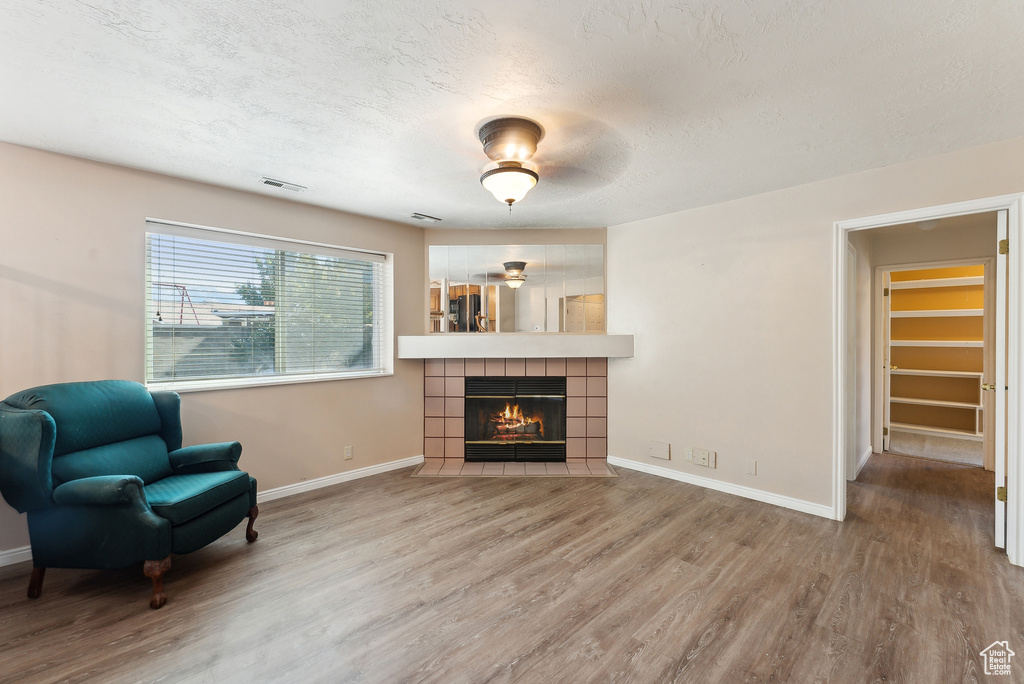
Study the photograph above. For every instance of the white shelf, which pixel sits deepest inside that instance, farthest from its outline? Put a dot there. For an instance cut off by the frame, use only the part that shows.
(934, 402)
(936, 343)
(941, 432)
(937, 313)
(937, 282)
(514, 346)
(937, 373)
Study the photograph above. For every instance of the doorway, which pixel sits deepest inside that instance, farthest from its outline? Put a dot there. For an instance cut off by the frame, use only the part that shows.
(905, 229)
(935, 322)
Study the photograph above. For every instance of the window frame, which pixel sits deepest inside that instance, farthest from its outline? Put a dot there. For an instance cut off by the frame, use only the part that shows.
(188, 230)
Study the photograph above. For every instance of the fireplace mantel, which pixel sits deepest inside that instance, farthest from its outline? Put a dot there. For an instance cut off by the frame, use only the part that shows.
(513, 345)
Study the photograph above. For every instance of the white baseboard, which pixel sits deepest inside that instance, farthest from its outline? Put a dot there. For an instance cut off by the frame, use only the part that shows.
(328, 480)
(863, 461)
(738, 490)
(18, 555)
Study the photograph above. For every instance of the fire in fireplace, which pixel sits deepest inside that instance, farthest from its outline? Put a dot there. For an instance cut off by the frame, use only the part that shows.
(515, 419)
(513, 424)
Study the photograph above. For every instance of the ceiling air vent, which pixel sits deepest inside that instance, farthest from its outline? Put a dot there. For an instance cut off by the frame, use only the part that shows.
(273, 182)
(425, 217)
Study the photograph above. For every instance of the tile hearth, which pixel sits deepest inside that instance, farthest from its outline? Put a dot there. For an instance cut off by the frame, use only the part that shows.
(439, 467)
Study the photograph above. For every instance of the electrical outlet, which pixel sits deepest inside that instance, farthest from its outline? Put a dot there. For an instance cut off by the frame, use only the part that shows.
(348, 453)
(660, 450)
(701, 457)
(751, 467)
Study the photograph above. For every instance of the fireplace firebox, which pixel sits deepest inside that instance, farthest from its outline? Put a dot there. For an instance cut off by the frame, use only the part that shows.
(515, 419)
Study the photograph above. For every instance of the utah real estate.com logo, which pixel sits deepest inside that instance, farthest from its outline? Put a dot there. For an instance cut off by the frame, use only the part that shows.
(997, 658)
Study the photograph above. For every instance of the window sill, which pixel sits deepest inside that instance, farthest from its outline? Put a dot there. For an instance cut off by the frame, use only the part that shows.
(184, 386)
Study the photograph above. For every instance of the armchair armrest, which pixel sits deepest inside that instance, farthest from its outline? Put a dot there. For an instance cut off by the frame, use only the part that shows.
(203, 458)
(27, 437)
(103, 490)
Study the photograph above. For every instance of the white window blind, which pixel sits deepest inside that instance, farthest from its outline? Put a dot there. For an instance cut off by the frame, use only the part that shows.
(229, 308)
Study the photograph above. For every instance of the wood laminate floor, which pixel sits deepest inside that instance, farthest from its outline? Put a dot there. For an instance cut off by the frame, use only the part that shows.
(630, 579)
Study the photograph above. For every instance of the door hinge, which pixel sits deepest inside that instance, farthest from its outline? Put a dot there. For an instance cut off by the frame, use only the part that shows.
(885, 432)
(1004, 246)
(885, 292)
(1001, 494)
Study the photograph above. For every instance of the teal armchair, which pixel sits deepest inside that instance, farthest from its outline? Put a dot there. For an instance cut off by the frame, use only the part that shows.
(100, 471)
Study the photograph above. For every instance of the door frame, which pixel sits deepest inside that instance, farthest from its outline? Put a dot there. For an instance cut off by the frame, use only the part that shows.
(878, 339)
(853, 459)
(1014, 206)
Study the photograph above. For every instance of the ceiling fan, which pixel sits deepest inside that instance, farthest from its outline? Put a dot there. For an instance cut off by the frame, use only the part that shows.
(580, 155)
(510, 141)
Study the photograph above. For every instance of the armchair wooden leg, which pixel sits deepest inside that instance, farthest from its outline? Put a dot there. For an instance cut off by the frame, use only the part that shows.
(251, 534)
(155, 570)
(35, 585)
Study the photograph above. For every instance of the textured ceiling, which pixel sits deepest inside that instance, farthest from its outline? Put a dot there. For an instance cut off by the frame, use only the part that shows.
(648, 107)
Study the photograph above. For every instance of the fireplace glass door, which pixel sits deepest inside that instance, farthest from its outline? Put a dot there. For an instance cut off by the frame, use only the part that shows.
(515, 419)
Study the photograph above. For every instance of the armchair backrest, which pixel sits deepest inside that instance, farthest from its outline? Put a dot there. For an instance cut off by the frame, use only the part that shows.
(55, 433)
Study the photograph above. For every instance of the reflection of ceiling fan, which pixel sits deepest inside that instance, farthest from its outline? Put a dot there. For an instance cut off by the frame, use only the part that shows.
(515, 277)
(491, 278)
(512, 275)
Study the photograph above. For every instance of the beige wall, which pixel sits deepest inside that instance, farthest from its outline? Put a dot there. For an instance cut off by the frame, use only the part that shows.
(71, 308)
(731, 307)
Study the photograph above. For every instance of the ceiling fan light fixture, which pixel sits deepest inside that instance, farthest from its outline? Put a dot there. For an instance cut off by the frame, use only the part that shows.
(510, 138)
(509, 141)
(510, 182)
(515, 277)
(514, 268)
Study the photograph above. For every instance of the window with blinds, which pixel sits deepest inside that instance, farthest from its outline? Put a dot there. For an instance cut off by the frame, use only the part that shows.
(226, 308)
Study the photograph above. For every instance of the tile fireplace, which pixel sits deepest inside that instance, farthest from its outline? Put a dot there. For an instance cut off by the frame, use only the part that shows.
(586, 405)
